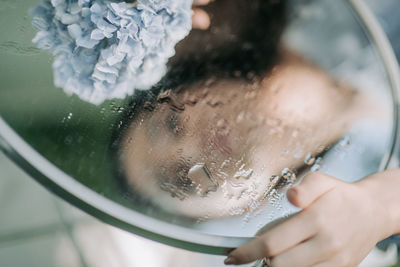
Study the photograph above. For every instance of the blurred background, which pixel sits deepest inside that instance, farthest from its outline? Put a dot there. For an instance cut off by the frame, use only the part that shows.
(39, 229)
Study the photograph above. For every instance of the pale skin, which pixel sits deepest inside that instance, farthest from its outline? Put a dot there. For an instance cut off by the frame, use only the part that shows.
(340, 222)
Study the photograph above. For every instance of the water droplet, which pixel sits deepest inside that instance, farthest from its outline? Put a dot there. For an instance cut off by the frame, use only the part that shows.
(226, 163)
(241, 117)
(251, 75)
(189, 98)
(250, 95)
(298, 155)
(210, 81)
(273, 181)
(236, 211)
(285, 173)
(345, 142)
(148, 106)
(245, 174)
(214, 102)
(222, 123)
(275, 199)
(234, 190)
(120, 123)
(287, 177)
(163, 170)
(241, 166)
(309, 159)
(68, 140)
(237, 73)
(202, 177)
(173, 190)
(204, 92)
(169, 97)
(252, 205)
(317, 165)
(222, 175)
(320, 149)
(274, 178)
(17, 48)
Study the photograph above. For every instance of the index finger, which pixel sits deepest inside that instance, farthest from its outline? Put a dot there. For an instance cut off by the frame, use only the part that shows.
(280, 238)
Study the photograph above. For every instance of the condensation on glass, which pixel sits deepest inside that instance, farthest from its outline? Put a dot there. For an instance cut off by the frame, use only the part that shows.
(272, 91)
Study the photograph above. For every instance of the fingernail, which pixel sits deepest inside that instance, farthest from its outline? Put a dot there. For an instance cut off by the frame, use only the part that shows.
(230, 260)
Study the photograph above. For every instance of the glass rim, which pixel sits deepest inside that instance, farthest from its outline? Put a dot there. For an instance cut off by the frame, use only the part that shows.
(117, 215)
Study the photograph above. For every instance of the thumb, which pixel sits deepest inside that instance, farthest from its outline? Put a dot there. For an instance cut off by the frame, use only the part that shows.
(313, 186)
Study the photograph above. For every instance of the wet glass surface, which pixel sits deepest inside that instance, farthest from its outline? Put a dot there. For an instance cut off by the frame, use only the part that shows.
(245, 109)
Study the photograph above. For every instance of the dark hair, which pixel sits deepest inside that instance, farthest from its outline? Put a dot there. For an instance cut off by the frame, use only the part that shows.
(255, 50)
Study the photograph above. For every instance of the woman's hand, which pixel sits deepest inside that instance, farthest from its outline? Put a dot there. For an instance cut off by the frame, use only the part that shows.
(338, 226)
(201, 20)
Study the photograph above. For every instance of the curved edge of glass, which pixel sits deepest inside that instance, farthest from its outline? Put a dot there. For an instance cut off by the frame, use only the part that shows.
(385, 51)
(106, 210)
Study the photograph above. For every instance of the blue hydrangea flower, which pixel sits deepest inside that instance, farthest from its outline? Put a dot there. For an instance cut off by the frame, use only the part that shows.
(104, 49)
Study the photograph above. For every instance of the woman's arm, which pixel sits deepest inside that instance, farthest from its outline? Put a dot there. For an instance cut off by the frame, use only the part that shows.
(338, 226)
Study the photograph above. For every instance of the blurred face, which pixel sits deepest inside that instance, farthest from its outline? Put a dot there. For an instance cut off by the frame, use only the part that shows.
(218, 147)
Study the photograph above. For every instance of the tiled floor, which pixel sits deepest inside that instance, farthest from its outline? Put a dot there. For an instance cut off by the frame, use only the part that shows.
(31, 231)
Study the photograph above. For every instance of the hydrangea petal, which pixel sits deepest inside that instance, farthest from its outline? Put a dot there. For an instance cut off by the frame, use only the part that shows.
(105, 49)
